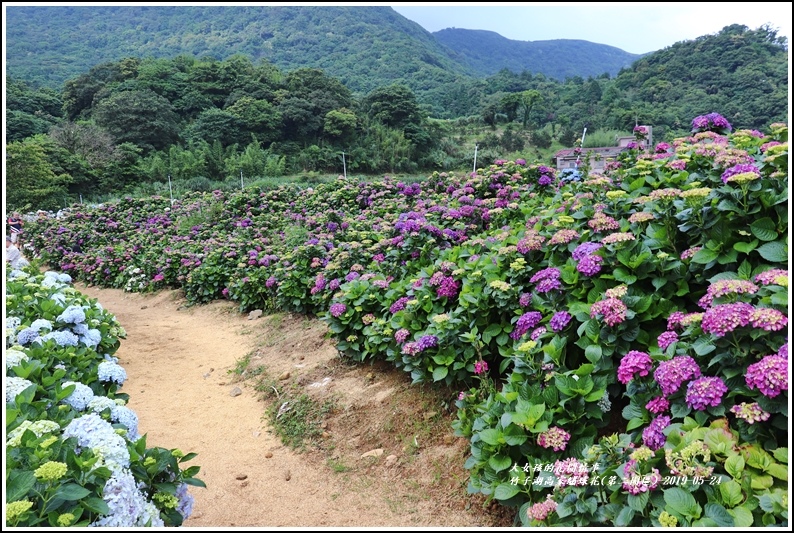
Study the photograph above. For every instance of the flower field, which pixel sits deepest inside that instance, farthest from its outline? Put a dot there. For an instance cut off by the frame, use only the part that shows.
(620, 344)
(73, 453)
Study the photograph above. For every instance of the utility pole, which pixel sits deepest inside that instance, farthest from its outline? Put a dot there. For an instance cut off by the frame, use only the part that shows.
(344, 166)
(474, 170)
(170, 190)
(241, 180)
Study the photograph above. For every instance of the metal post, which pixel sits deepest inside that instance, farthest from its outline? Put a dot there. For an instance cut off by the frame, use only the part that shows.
(170, 189)
(581, 148)
(344, 166)
(81, 199)
(241, 180)
(474, 170)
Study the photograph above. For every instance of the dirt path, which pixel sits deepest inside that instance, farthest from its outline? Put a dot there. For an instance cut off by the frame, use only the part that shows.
(183, 364)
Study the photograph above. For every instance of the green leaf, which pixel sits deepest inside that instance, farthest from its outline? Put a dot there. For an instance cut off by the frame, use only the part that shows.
(490, 436)
(624, 518)
(638, 503)
(774, 252)
(731, 493)
(194, 482)
(779, 471)
(440, 372)
(761, 482)
(499, 462)
(634, 423)
(71, 492)
(593, 353)
(703, 346)
(95, 505)
(734, 465)
(781, 454)
(764, 229)
(745, 269)
(623, 276)
(658, 283)
(719, 514)
(505, 491)
(18, 484)
(742, 517)
(704, 256)
(745, 247)
(490, 332)
(682, 502)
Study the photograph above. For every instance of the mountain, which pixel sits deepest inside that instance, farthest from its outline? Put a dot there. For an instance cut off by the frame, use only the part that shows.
(364, 47)
(487, 52)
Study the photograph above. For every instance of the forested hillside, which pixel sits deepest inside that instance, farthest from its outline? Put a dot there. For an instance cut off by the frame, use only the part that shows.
(129, 124)
(365, 47)
(487, 52)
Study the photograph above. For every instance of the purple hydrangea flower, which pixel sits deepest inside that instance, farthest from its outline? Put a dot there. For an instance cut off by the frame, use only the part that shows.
(536, 333)
(741, 168)
(555, 438)
(590, 265)
(399, 305)
(449, 288)
(546, 273)
(547, 285)
(612, 309)
(525, 322)
(524, 299)
(560, 320)
(427, 341)
(670, 375)
(653, 436)
(585, 249)
(705, 392)
(337, 310)
(401, 335)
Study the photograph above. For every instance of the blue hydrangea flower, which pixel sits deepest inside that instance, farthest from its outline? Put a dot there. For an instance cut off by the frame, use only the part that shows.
(61, 338)
(73, 314)
(41, 323)
(14, 386)
(16, 273)
(91, 338)
(125, 501)
(27, 335)
(150, 516)
(80, 397)
(127, 417)
(100, 403)
(59, 298)
(98, 435)
(80, 329)
(13, 322)
(185, 505)
(109, 371)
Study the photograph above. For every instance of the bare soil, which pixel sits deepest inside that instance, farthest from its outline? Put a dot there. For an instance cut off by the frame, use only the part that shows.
(183, 365)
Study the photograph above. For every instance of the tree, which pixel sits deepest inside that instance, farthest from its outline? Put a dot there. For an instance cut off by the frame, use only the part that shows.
(394, 106)
(218, 125)
(140, 117)
(86, 140)
(340, 123)
(528, 100)
(30, 181)
(258, 117)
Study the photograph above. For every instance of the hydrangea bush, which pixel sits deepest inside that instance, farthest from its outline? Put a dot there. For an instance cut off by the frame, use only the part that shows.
(598, 325)
(74, 456)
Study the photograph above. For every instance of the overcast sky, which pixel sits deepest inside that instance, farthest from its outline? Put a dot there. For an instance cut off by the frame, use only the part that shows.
(633, 27)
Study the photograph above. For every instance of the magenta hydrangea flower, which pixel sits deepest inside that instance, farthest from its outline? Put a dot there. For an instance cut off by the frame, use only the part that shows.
(480, 367)
(750, 412)
(448, 288)
(690, 252)
(722, 319)
(613, 311)
(772, 276)
(563, 236)
(768, 319)
(783, 351)
(724, 287)
(536, 333)
(590, 265)
(705, 392)
(674, 321)
(411, 348)
(634, 483)
(541, 510)
(560, 320)
(633, 364)
(571, 472)
(337, 309)
(555, 438)
(401, 335)
(670, 375)
(769, 375)
(660, 404)
(653, 436)
(666, 339)
(524, 299)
